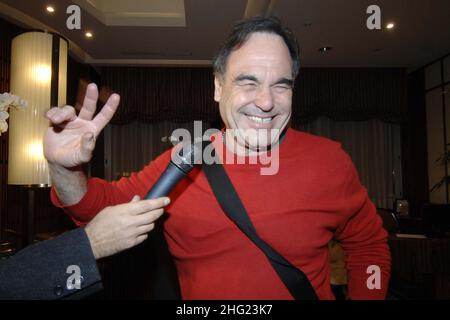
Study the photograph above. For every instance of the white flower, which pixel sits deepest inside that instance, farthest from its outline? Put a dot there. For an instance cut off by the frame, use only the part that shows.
(4, 115)
(6, 99)
(9, 100)
(22, 104)
(15, 100)
(3, 126)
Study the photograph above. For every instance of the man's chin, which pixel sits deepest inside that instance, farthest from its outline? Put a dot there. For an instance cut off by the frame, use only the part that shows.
(258, 146)
(257, 140)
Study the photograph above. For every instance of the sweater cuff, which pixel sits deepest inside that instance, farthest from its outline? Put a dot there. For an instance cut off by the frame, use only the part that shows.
(79, 212)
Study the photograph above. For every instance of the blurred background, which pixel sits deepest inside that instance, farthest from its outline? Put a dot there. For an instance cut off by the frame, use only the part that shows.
(375, 80)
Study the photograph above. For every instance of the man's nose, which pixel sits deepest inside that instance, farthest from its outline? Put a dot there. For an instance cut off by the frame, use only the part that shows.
(264, 100)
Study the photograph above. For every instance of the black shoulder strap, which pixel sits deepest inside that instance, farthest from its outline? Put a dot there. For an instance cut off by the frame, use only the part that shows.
(293, 278)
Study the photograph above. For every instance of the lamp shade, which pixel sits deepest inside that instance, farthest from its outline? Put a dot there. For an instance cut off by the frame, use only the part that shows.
(39, 76)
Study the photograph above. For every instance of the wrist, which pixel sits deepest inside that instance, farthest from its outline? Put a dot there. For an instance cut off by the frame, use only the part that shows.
(70, 184)
(59, 170)
(93, 243)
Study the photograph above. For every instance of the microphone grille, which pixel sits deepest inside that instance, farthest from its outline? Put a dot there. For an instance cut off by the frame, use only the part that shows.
(187, 156)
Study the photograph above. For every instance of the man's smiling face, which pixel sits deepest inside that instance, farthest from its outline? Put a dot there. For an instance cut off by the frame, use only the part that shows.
(256, 90)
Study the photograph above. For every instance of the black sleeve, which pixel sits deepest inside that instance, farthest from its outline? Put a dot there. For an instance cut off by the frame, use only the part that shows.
(48, 269)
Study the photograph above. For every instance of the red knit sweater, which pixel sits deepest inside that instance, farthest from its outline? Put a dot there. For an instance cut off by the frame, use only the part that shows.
(315, 196)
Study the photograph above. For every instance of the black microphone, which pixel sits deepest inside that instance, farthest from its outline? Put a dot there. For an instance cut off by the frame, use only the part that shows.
(181, 163)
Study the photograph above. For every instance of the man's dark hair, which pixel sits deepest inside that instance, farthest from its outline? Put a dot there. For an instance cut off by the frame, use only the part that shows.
(242, 31)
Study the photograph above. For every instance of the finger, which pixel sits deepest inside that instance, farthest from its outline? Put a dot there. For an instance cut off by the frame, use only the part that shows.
(148, 218)
(61, 115)
(107, 112)
(136, 198)
(144, 206)
(89, 103)
(87, 146)
(51, 112)
(145, 228)
(141, 238)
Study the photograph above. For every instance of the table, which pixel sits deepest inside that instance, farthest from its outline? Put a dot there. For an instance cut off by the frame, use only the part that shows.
(420, 267)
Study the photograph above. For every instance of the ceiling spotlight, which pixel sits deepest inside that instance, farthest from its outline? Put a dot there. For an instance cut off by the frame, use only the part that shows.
(325, 49)
(89, 35)
(390, 25)
(50, 9)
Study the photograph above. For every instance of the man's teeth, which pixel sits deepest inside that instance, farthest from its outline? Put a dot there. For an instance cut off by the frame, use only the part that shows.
(260, 120)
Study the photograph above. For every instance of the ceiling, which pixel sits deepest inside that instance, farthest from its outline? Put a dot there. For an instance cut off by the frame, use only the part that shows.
(189, 32)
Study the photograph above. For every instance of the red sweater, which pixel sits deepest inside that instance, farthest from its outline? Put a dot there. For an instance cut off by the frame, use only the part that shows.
(315, 196)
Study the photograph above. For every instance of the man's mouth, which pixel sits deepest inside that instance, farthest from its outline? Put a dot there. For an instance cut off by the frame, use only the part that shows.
(260, 120)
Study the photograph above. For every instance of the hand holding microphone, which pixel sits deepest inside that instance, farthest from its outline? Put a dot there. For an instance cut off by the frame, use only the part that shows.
(123, 226)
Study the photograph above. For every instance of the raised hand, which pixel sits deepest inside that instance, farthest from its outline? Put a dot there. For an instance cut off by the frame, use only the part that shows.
(70, 139)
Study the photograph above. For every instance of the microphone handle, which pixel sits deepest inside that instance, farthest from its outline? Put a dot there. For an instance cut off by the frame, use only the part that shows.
(169, 178)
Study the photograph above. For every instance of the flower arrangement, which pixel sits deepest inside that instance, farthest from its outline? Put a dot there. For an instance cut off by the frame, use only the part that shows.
(8, 100)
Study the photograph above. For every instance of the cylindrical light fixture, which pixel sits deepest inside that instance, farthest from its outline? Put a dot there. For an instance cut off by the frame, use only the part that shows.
(39, 76)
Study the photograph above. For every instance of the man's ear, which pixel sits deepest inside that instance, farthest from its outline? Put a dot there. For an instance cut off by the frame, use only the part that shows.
(217, 88)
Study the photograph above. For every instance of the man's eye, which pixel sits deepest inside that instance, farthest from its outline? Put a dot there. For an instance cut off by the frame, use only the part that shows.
(283, 87)
(248, 84)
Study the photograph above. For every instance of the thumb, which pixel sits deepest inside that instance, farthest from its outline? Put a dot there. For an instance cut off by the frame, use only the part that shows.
(136, 198)
(87, 146)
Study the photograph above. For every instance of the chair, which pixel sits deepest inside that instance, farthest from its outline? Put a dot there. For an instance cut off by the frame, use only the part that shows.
(7, 247)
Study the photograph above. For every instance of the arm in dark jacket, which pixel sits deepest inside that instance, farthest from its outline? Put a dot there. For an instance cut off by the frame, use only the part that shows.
(48, 269)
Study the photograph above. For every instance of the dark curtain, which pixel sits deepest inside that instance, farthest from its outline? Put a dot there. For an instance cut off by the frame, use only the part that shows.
(185, 94)
(156, 94)
(350, 94)
(414, 145)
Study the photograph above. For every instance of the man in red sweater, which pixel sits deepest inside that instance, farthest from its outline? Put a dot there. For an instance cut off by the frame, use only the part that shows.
(314, 196)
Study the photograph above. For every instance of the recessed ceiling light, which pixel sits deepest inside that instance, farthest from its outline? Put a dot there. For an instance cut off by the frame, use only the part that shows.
(50, 9)
(89, 35)
(325, 49)
(390, 25)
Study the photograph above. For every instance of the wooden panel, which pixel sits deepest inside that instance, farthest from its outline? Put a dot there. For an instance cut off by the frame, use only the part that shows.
(7, 32)
(447, 69)
(420, 268)
(433, 75)
(447, 114)
(435, 142)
